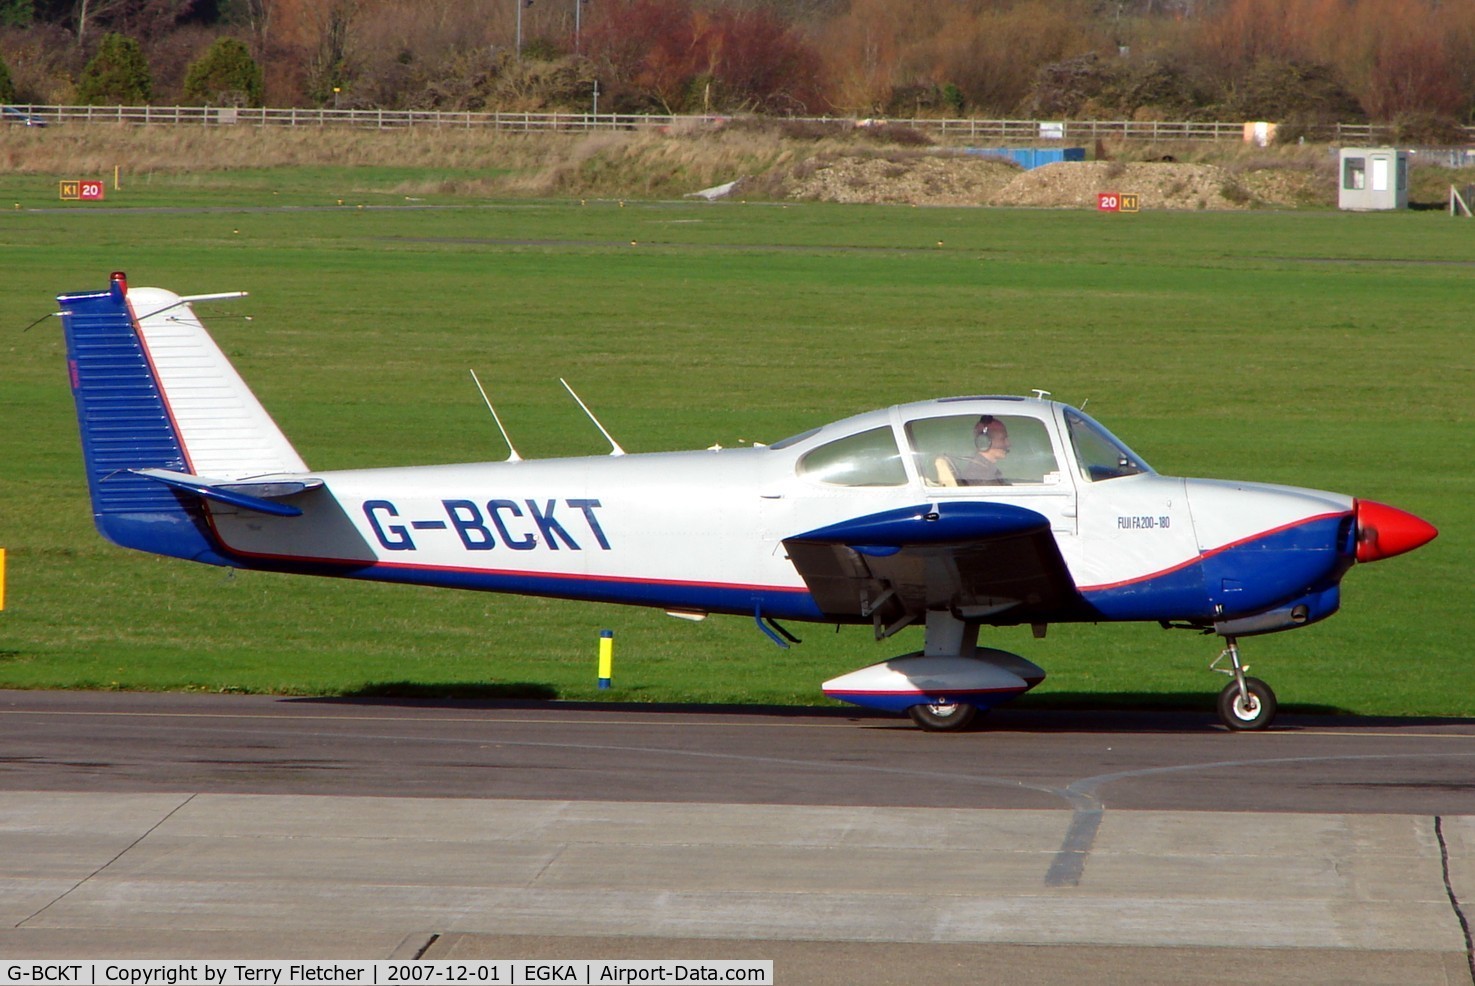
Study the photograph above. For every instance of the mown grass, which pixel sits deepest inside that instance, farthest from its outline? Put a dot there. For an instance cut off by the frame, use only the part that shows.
(1317, 349)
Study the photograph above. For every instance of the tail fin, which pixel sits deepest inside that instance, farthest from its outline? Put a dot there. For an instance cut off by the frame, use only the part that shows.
(155, 393)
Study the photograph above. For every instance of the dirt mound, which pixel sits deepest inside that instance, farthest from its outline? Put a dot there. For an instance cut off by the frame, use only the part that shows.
(1160, 185)
(915, 178)
(957, 179)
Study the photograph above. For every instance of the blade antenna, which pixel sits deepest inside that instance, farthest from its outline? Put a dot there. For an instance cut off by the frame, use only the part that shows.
(512, 455)
(614, 445)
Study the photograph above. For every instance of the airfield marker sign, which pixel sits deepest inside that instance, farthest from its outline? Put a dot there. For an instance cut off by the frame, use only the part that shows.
(1117, 202)
(82, 190)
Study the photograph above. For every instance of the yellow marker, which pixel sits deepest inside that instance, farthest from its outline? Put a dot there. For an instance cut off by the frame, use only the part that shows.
(2, 578)
(606, 656)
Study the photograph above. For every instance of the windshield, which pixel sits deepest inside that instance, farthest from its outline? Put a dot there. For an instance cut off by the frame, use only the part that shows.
(1100, 454)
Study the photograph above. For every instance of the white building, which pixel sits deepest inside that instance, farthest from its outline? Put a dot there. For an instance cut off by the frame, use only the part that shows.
(1372, 178)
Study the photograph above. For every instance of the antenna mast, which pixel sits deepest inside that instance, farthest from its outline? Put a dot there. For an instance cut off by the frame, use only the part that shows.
(512, 452)
(614, 445)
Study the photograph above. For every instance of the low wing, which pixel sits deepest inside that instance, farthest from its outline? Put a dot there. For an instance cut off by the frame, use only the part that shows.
(986, 562)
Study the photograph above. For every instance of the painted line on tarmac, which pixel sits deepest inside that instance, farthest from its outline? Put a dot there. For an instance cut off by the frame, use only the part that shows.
(1070, 859)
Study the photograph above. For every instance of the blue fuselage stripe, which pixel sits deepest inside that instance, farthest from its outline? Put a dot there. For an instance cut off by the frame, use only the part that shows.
(774, 601)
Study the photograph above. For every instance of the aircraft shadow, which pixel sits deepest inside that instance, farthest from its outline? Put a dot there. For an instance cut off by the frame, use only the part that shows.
(393, 692)
(1122, 712)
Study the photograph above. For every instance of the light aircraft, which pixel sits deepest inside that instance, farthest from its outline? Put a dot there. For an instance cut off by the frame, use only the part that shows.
(954, 514)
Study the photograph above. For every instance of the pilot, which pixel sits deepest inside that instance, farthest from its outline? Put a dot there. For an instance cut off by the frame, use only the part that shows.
(991, 439)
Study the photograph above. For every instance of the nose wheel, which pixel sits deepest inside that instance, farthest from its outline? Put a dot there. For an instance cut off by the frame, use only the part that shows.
(1245, 703)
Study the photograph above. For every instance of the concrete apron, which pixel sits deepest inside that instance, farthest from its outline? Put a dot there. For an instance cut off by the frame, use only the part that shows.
(832, 894)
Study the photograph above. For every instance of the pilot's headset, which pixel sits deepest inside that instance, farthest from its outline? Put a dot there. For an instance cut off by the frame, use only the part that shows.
(983, 440)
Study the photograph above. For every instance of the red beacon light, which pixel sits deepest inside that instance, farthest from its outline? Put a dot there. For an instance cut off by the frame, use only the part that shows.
(118, 281)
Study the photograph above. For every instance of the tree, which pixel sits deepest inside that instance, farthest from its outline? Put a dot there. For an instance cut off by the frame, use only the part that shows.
(993, 56)
(1307, 93)
(118, 74)
(86, 11)
(255, 15)
(756, 61)
(1063, 89)
(646, 50)
(673, 57)
(332, 65)
(7, 88)
(227, 67)
(17, 13)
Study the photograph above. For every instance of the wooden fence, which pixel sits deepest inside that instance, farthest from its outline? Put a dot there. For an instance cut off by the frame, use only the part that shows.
(958, 130)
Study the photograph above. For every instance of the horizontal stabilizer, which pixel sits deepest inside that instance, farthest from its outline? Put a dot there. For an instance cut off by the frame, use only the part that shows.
(259, 495)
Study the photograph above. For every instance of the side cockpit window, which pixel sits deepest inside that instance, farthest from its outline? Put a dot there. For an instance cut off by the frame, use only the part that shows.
(870, 458)
(983, 450)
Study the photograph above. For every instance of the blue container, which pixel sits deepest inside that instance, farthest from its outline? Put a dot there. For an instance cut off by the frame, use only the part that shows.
(1030, 158)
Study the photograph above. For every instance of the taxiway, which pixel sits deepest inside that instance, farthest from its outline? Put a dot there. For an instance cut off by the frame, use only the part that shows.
(848, 848)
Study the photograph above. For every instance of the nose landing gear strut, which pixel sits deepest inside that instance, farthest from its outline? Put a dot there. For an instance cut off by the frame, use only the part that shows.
(1245, 703)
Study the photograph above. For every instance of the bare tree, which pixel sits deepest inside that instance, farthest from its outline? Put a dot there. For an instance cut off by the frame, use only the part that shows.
(257, 14)
(138, 17)
(86, 11)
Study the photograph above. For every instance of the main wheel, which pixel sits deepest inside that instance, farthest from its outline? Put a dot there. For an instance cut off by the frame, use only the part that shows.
(1247, 712)
(943, 717)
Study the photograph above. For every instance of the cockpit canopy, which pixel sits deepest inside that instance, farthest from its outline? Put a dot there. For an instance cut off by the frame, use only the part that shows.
(1041, 443)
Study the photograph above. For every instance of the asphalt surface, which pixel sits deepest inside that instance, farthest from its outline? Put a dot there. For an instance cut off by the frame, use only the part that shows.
(849, 848)
(94, 741)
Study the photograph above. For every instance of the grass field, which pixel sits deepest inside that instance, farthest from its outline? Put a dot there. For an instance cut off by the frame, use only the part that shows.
(1319, 349)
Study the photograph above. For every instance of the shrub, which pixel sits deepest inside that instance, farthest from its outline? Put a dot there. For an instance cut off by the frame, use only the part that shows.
(1306, 93)
(7, 87)
(1232, 191)
(118, 74)
(898, 136)
(1428, 128)
(226, 73)
(1062, 89)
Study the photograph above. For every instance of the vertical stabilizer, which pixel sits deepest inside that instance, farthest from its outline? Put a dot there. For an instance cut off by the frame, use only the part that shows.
(223, 429)
(153, 391)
